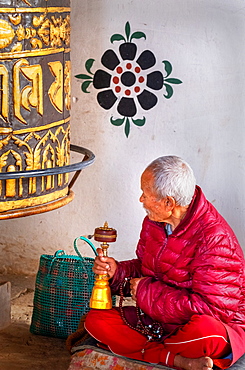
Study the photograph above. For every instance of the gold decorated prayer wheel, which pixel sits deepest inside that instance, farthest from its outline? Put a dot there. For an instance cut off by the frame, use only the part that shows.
(101, 293)
(35, 103)
(105, 234)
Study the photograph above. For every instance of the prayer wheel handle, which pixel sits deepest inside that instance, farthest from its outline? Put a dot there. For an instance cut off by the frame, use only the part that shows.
(101, 293)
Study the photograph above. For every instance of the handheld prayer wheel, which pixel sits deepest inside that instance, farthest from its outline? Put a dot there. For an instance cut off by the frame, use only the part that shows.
(34, 104)
(101, 294)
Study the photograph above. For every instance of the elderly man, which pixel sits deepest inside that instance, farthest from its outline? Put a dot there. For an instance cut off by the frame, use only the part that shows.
(187, 280)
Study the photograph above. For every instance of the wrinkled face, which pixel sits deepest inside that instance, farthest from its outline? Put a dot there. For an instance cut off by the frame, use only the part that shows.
(156, 209)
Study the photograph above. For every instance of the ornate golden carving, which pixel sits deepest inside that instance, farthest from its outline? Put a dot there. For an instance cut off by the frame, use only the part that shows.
(17, 90)
(43, 155)
(20, 33)
(6, 34)
(15, 19)
(67, 84)
(35, 43)
(29, 95)
(33, 95)
(51, 31)
(44, 31)
(4, 142)
(30, 33)
(16, 47)
(11, 183)
(37, 21)
(4, 93)
(55, 91)
(25, 33)
(26, 2)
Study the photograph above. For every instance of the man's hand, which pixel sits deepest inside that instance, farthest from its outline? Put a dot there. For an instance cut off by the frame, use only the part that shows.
(134, 285)
(104, 265)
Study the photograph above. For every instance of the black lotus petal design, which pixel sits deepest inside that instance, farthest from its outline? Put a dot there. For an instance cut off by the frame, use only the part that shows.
(128, 79)
(127, 107)
(106, 99)
(128, 50)
(146, 59)
(147, 99)
(155, 80)
(110, 59)
(102, 79)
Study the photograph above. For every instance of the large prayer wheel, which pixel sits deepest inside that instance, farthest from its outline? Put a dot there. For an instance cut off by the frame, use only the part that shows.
(34, 104)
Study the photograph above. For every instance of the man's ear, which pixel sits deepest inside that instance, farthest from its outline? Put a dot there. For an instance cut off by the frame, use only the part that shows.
(170, 203)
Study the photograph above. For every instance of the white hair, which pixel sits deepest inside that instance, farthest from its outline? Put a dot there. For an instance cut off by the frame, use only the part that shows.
(173, 177)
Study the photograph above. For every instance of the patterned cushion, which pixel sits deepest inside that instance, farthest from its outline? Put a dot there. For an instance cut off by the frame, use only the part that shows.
(88, 355)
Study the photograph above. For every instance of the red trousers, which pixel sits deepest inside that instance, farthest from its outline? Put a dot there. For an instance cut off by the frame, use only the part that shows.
(201, 336)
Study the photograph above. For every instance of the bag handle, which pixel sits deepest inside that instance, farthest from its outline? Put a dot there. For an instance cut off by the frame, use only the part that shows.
(79, 254)
(88, 242)
(62, 254)
(59, 253)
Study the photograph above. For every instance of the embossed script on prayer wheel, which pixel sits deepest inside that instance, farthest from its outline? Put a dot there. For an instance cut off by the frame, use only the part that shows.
(34, 100)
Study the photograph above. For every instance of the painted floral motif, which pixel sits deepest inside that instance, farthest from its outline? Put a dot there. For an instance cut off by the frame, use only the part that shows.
(129, 80)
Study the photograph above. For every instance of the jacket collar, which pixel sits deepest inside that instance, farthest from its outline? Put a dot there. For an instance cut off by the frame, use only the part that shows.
(197, 207)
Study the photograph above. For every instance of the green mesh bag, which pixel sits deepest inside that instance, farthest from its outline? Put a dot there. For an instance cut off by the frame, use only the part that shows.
(62, 292)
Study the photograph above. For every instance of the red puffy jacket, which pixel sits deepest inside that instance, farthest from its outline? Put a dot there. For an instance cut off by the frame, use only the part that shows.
(198, 269)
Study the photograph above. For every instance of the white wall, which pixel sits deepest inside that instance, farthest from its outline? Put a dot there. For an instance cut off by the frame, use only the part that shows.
(203, 122)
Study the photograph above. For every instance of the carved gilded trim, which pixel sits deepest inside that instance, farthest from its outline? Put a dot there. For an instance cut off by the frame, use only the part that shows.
(23, 203)
(40, 128)
(42, 31)
(67, 84)
(32, 53)
(52, 149)
(51, 9)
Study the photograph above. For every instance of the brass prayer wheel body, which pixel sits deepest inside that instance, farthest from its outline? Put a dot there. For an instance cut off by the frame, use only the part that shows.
(105, 234)
(35, 99)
